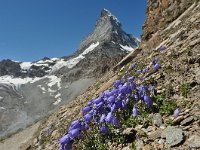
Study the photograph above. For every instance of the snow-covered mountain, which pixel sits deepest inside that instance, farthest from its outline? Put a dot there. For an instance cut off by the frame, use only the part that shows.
(31, 90)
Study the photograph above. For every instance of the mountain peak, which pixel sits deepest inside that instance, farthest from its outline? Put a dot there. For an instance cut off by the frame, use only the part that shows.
(105, 12)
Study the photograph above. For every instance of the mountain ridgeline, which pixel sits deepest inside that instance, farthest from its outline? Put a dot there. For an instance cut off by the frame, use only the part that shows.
(34, 89)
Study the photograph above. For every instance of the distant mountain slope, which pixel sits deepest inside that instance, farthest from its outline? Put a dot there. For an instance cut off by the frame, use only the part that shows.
(31, 90)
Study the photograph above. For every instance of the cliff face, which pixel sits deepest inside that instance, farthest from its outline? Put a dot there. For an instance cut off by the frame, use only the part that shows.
(160, 13)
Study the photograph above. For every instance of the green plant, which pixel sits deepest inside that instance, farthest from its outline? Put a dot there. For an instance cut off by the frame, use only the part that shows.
(169, 122)
(185, 88)
(165, 107)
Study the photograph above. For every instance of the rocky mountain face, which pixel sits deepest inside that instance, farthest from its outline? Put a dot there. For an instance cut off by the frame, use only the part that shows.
(31, 90)
(171, 34)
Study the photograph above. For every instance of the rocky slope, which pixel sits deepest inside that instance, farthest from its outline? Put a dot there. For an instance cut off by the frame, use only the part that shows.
(174, 37)
(31, 90)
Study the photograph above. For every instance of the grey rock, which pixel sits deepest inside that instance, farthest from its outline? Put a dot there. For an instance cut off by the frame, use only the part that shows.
(157, 120)
(194, 141)
(187, 120)
(128, 131)
(163, 134)
(197, 74)
(161, 141)
(146, 130)
(174, 136)
(155, 134)
(139, 144)
(178, 119)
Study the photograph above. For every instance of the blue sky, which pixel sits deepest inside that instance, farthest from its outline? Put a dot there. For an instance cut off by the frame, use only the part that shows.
(33, 29)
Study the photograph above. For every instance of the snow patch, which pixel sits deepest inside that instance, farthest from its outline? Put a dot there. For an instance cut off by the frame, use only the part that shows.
(72, 62)
(53, 81)
(110, 15)
(51, 91)
(42, 88)
(90, 48)
(115, 32)
(2, 108)
(25, 65)
(139, 40)
(58, 95)
(55, 59)
(57, 101)
(127, 48)
(15, 81)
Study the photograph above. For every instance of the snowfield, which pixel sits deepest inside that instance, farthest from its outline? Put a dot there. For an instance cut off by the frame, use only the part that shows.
(72, 62)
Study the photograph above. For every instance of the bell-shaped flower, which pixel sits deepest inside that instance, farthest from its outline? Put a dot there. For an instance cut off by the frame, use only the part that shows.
(108, 93)
(61, 147)
(156, 67)
(74, 125)
(177, 112)
(136, 96)
(135, 111)
(104, 130)
(65, 139)
(98, 100)
(102, 119)
(145, 70)
(87, 118)
(100, 106)
(155, 61)
(113, 108)
(132, 66)
(133, 86)
(114, 91)
(117, 83)
(148, 101)
(124, 104)
(101, 95)
(86, 109)
(162, 48)
(115, 121)
(139, 71)
(130, 79)
(84, 126)
(65, 147)
(109, 117)
(118, 104)
(122, 89)
(74, 133)
(90, 103)
(111, 99)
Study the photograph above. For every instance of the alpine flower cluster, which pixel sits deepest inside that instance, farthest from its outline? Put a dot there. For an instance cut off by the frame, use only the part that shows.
(103, 111)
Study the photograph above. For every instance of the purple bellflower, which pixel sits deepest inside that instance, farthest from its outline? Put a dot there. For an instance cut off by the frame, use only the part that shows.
(87, 118)
(148, 101)
(135, 111)
(177, 112)
(156, 66)
(104, 130)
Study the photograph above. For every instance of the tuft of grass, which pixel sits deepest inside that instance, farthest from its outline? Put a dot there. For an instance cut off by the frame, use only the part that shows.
(185, 89)
(165, 107)
(169, 122)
